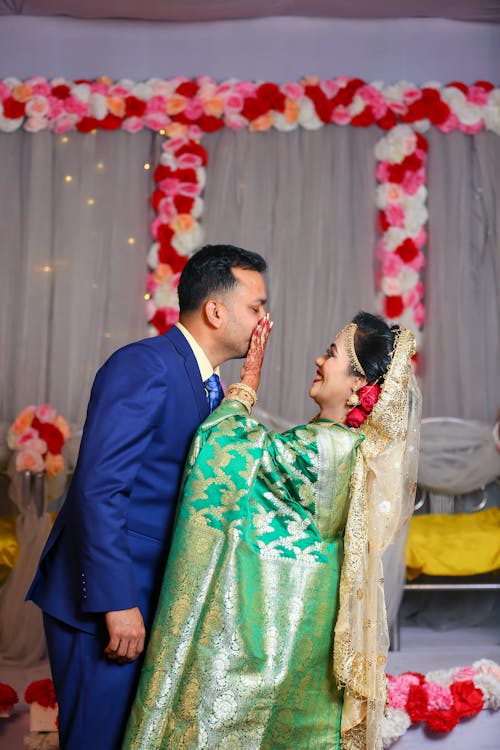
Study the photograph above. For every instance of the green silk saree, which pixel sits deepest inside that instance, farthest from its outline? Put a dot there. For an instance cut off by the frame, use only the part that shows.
(240, 654)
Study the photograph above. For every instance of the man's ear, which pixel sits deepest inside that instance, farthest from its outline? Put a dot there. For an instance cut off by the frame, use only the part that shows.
(214, 312)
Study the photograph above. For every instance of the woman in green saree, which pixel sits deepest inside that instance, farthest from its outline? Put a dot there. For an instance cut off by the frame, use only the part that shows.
(270, 631)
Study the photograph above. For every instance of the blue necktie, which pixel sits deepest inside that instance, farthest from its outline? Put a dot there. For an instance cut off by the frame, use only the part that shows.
(215, 392)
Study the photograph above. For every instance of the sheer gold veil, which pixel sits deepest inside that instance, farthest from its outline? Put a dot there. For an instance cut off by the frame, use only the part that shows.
(382, 496)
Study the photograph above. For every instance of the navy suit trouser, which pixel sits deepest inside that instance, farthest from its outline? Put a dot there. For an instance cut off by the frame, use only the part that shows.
(94, 694)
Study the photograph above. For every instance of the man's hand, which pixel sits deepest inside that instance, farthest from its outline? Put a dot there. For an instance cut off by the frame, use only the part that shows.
(126, 635)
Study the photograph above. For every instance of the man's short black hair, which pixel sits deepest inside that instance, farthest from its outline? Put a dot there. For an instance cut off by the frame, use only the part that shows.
(209, 271)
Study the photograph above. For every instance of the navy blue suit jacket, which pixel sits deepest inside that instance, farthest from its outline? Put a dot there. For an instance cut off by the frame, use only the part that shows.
(109, 544)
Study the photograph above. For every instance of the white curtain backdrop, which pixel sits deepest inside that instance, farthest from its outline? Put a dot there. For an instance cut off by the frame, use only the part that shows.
(73, 254)
(74, 213)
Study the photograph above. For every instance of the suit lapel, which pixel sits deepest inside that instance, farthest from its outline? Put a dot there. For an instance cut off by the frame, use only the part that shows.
(192, 370)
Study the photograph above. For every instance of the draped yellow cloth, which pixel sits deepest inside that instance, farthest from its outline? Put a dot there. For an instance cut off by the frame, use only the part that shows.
(463, 544)
(9, 546)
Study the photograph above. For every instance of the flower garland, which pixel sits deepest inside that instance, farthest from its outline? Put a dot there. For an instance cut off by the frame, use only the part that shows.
(187, 109)
(401, 197)
(8, 699)
(38, 435)
(440, 699)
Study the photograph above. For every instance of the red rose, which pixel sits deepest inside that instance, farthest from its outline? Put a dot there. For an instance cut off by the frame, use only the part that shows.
(8, 697)
(51, 434)
(396, 173)
(159, 321)
(270, 93)
(388, 121)
(368, 397)
(13, 109)
(134, 107)
(460, 86)
(382, 221)
(439, 112)
(110, 122)
(209, 123)
(322, 105)
(254, 107)
(411, 162)
(364, 119)
(393, 306)
(407, 251)
(183, 203)
(442, 721)
(86, 124)
(164, 234)
(172, 258)
(422, 142)
(42, 692)
(157, 196)
(355, 418)
(161, 173)
(185, 175)
(188, 89)
(416, 705)
(467, 699)
(61, 92)
(486, 85)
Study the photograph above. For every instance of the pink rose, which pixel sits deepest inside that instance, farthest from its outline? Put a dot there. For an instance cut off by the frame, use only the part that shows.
(245, 88)
(411, 298)
(194, 108)
(391, 264)
(75, 106)
(190, 189)
(234, 102)
(382, 171)
(56, 107)
(411, 95)
(341, 115)
(156, 105)
(166, 209)
(418, 262)
(29, 461)
(118, 91)
(449, 125)
(477, 95)
(4, 91)
(419, 315)
(27, 436)
(35, 444)
(133, 124)
(293, 90)
(472, 129)
(35, 124)
(156, 121)
(439, 697)
(329, 87)
(465, 673)
(421, 238)
(63, 123)
(41, 87)
(195, 133)
(235, 121)
(395, 215)
(412, 181)
(45, 413)
(169, 185)
(187, 161)
(38, 106)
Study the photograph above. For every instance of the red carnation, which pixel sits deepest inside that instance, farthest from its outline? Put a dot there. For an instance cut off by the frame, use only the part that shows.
(411, 162)
(61, 92)
(185, 175)
(13, 109)
(193, 148)
(161, 173)
(188, 89)
(467, 699)
(134, 107)
(254, 107)
(439, 112)
(8, 697)
(407, 251)
(442, 720)
(209, 123)
(51, 434)
(393, 306)
(42, 692)
(416, 705)
(416, 111)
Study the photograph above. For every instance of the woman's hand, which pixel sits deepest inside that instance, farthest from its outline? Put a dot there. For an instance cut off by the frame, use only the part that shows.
(250, 374)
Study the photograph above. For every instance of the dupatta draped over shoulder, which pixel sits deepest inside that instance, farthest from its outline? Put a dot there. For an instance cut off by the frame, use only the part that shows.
(241, 650)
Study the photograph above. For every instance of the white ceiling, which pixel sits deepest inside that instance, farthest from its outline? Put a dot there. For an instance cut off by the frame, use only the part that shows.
(486, 11)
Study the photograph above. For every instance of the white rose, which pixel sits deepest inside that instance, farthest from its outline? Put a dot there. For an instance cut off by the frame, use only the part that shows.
(390, 286)
(197, 209)
(166, 296)
(142, 91)
(98, 106)
(415, 218)
(394, 724)
(168, 159)
(492, 112)
(281, 123)
(35, 124)
(201, 176)
(356, 106)
(8, 125)
(422, 126)
(152, 259)
(186, 242)
(393, 238)
(81, 91)
(388, 193)
(307, 115)
(408, 278)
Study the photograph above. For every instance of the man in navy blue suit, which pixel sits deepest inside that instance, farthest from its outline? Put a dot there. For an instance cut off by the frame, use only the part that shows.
(100, 572)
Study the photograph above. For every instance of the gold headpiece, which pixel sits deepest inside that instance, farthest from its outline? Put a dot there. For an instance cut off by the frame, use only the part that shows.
(349, 330)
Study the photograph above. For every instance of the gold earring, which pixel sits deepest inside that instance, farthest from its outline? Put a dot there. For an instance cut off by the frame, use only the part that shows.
(353, 400)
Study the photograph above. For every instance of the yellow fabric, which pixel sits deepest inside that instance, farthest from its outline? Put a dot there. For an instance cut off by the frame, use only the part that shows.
(9, 547)
(463, 544)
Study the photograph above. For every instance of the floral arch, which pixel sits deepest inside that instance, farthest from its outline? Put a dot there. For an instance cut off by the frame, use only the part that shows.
(185, 110)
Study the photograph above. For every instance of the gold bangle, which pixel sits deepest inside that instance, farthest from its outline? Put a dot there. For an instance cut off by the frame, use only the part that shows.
(244, 394)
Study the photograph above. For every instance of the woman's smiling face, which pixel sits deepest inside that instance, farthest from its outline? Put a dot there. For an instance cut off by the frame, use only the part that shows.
(334, 381)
